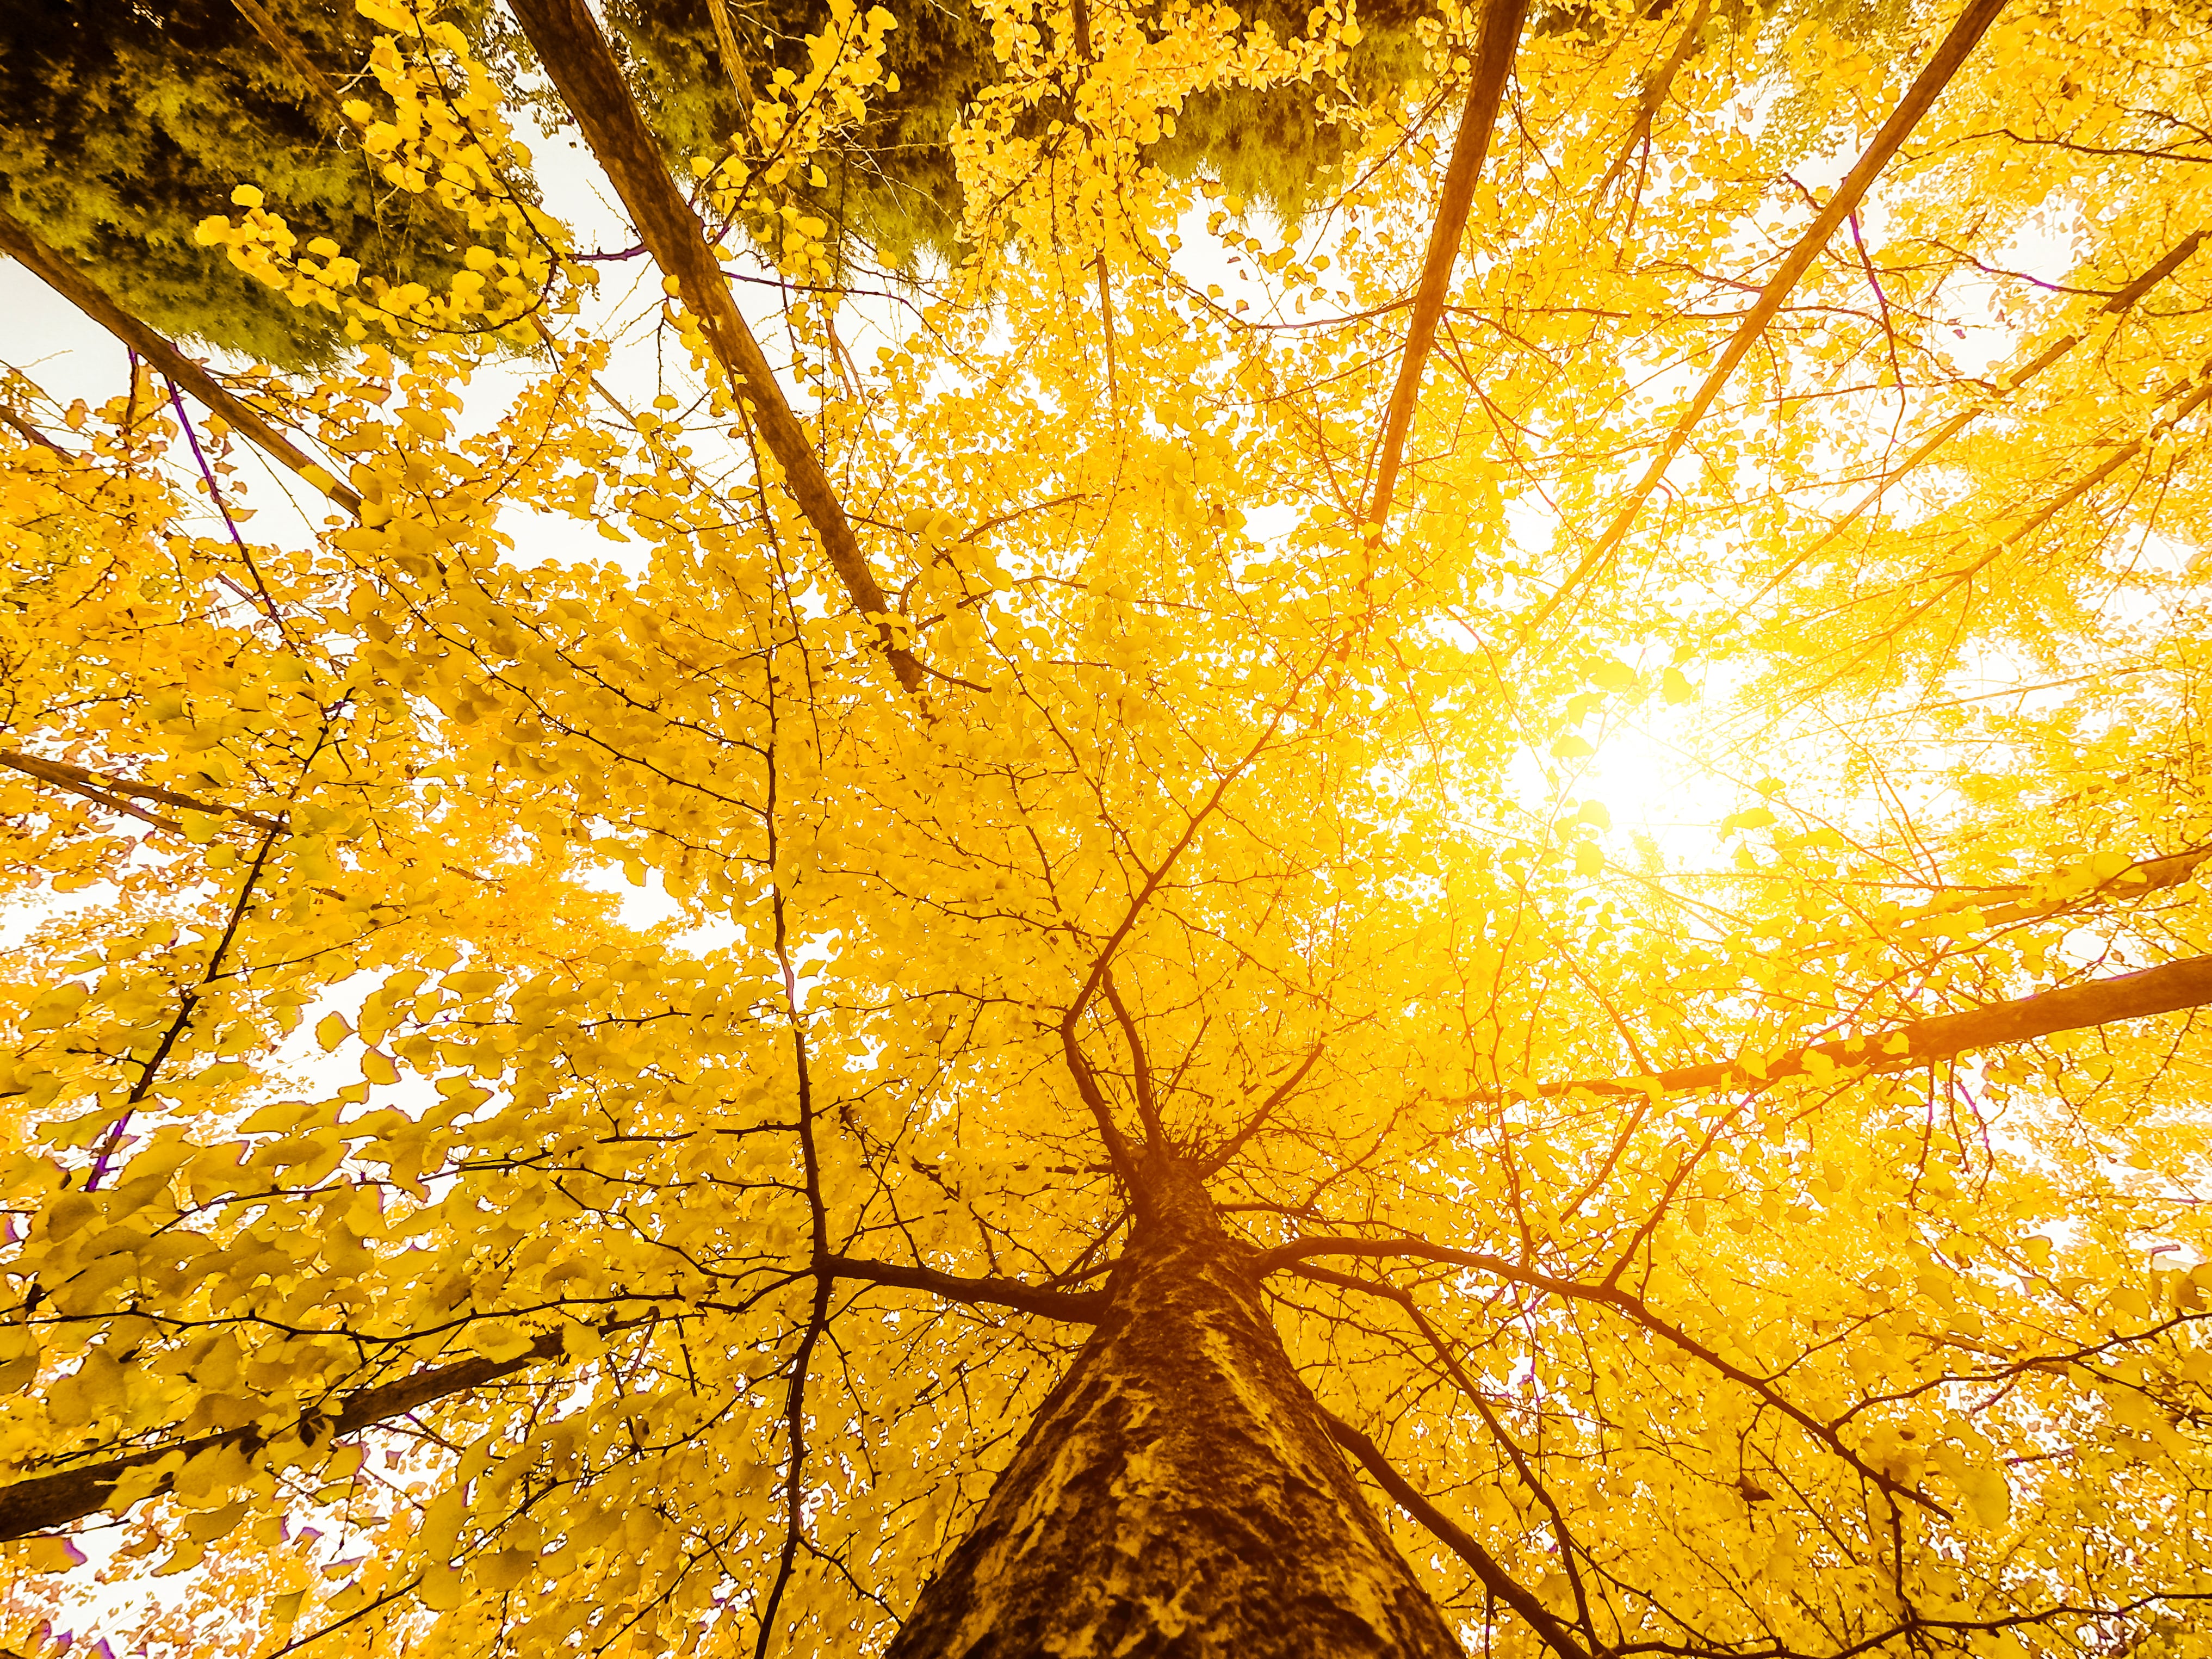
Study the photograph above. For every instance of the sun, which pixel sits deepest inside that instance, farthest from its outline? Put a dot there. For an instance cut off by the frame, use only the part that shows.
(1650, 779)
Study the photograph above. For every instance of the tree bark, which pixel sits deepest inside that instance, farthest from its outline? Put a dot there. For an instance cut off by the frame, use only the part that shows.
(1178, 1492)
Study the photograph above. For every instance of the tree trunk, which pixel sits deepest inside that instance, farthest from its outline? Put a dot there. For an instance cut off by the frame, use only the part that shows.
(1178, 1493)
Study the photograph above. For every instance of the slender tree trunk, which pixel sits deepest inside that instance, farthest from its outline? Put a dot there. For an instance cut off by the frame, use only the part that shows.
(1178, 1491)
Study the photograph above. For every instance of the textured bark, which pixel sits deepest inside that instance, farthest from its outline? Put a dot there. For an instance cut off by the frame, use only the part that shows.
(1178, 1493)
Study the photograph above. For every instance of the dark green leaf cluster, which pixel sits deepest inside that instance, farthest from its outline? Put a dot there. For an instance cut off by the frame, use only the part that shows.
(892, 189)
(124, 123)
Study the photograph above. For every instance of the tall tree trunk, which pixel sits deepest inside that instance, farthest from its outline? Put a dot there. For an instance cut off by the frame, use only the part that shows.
(1178, 1491)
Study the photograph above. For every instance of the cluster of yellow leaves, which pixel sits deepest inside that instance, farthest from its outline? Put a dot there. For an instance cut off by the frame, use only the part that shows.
(445, 137)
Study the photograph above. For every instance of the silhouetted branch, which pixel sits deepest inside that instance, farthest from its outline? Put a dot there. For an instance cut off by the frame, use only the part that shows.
(1453, 1537)
(1074, 1307)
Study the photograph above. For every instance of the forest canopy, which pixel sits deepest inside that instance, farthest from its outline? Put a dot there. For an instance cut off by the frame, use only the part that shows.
(1466, 919)
(124, 123)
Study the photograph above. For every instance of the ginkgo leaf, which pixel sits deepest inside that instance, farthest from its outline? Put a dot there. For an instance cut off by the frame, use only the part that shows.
(52, 1555)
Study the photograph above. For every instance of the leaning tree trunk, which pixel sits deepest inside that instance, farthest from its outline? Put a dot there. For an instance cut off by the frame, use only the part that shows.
(1177, 1492)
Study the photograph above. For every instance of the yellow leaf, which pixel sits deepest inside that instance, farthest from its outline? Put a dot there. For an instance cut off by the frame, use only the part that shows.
(1988, 1498)
(506, 1570)
(47, 1554)
(497, 1340)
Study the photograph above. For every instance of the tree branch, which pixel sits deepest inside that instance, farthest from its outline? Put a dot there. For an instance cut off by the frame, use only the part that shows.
(1494, 1577)
(1119, 1157)
(2010, 383)
(584, 72)
(1655, 94)
(1072, 1307)
(187, 1005)
(67, 278)
(91, 792)
(733, 61)
(1957, 46)
(2143, 876)
(95, 785)
(31, 435)
(1264, 1262)
(47, 1501)
(1607, 1295)
(1493, 65)
(1465, 1385)
(1148, 1111)
(1229, 1149)
(2164, 989)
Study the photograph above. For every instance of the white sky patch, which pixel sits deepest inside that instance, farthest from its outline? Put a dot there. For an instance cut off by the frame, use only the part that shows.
(22, 915)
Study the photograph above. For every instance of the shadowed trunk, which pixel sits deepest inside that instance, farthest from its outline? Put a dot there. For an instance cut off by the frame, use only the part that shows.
(1178, 1491)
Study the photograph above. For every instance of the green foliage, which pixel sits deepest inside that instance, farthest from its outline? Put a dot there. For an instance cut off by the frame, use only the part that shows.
(893, 187)
(123, 124)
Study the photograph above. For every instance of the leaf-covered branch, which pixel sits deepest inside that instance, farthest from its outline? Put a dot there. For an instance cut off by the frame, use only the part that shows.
(70, 280)
(45, 1502)
(2167, 989)
(1949, 57)
(107, 789)
(576, 54)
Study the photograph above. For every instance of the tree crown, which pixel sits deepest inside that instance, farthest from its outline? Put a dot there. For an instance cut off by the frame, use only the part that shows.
(1133, 777)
